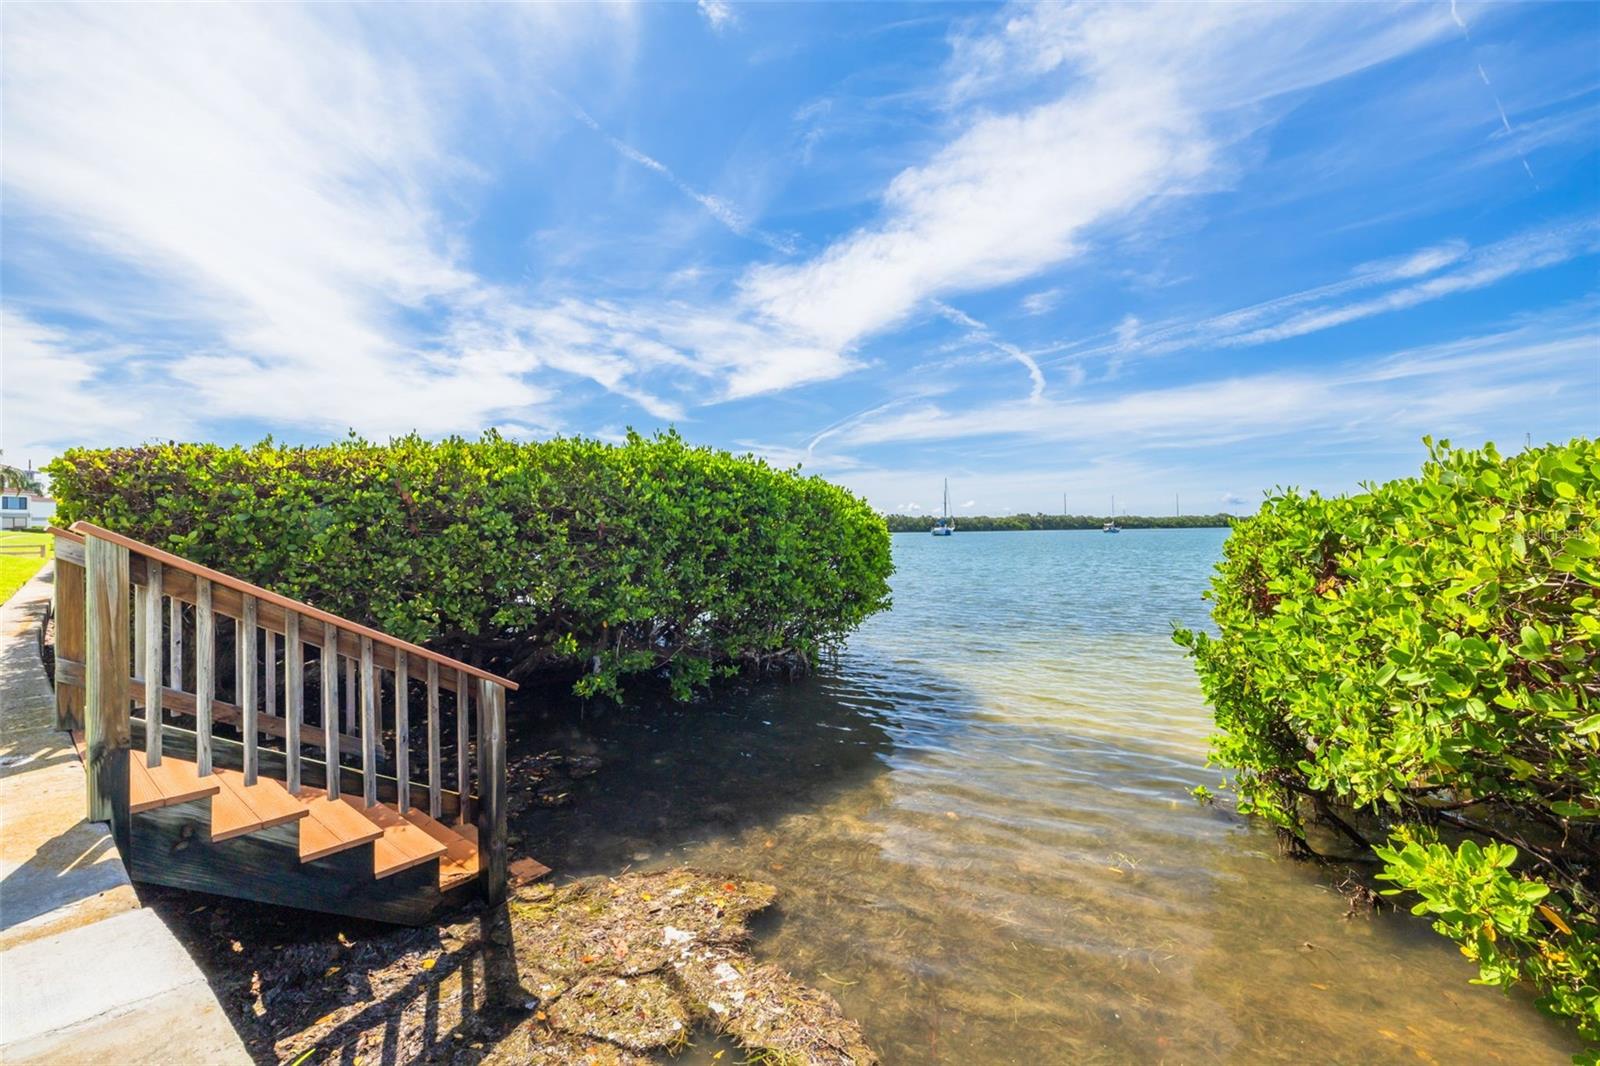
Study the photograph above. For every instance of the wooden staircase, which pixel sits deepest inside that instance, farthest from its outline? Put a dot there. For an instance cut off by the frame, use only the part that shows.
(224, 796)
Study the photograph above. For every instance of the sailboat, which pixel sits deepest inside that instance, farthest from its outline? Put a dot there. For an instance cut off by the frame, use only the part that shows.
(1111, 526)
(945, 526)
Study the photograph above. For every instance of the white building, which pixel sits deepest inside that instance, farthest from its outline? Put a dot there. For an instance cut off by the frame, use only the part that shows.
(25, 510)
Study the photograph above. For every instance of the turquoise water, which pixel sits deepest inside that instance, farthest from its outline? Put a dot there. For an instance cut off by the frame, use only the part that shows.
(979, 822)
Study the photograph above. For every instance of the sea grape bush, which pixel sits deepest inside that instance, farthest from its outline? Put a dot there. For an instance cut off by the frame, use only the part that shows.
(650, 556)
(1416, 670)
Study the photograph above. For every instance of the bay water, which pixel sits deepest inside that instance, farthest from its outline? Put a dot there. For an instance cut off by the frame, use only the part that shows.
(980, 823)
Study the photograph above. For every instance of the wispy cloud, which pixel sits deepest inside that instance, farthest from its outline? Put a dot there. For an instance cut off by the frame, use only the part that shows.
(719, 13)
(1148, 112)
(270, 171)
(715, 206)
(1443, 385)
(1427, 274)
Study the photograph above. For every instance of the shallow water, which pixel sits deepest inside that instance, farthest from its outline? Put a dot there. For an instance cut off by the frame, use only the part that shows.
(979, 822)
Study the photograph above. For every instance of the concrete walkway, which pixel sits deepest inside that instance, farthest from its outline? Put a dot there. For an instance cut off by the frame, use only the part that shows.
(86, 975)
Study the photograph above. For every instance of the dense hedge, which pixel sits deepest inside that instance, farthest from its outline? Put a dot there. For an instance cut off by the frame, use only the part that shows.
(569, 553)
(1418, 668)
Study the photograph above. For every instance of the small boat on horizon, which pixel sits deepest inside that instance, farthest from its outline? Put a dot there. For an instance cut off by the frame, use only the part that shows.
(1111, 526)
(945, 526)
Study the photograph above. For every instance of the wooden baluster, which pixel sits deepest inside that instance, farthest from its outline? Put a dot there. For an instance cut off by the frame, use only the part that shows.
(294, 695)
(152, 664)
(269, 681)
(350, 694)
(463, 728)
(106, 681)
(175, 643)
(492, 790)
(69, 618)
(205, 665)
(245, 635)
(140, 621)
(330, 706)
(402, 731)
(369, 727)
(435, 800)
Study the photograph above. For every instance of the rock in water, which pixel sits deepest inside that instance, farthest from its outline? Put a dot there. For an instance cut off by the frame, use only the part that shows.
(625, 965)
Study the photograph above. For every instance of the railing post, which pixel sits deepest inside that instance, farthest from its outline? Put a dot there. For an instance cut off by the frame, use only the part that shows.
(269, 680)
(352, 722)
(175, 643)
(463, 767)
(205, 673)
(107, 681)
(245, 633)
(294, 695)
(402, 733)
(69, 636)
(435, 770)
(492, 790)
(152, 663)
(330, 707)
(369, 727)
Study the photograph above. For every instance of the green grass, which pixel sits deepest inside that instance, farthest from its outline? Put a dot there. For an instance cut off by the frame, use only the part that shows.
(15, 570)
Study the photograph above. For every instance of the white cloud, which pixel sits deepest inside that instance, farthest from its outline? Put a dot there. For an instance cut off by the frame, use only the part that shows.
(1404, 281)
(719, 13)
(715, 206)
(1042, 302)
(1153, 100)
(50, 379)
(269, 173)
(1443, 386)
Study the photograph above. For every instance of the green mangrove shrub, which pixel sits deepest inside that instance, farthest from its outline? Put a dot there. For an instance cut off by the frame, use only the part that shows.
(1414, 673)
(650, 556)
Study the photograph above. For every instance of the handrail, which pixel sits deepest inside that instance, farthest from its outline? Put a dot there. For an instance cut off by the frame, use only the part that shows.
(81, 528)
(94, 627)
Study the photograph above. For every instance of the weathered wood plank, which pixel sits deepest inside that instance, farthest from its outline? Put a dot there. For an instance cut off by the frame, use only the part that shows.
(205, 683)
(463, 729)
(269, 678)
(69, 621)
(175, 643)
(330, 703)
(294, 696)
(435, 769)
(402, 730)
(140, 628)
(152, 670)
(369, 726)
(106, 681)
(492, 791)
(245, 637)
(350, 716)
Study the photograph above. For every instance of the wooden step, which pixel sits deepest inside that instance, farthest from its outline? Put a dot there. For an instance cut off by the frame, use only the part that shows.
(402, 845)
(174, 781)
(239, 808)
(332, 826)
(459, 863)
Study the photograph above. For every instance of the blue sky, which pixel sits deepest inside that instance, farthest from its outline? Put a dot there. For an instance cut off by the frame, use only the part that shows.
(1184, 250)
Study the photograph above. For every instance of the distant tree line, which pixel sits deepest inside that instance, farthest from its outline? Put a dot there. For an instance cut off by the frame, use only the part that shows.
(1009, 523)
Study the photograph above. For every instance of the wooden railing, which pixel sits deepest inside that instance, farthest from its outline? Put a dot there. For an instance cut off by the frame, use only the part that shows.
(117, 598)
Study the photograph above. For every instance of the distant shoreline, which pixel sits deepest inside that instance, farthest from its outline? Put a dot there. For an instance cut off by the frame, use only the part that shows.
(1027, 523)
